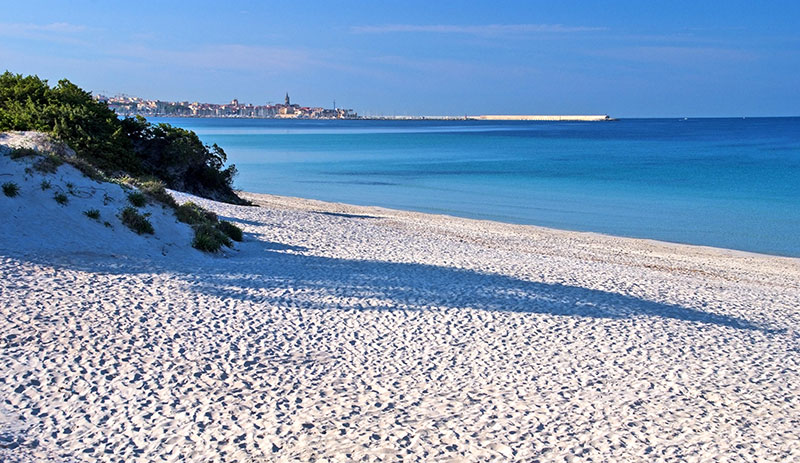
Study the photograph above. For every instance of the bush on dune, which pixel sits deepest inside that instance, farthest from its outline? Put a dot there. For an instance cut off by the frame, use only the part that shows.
(137, 199)
(137, 222)
(68, 113)
(210, 234)
(209, 238)
(19, 153)
(181, 160)
(61, 198)
(47, 164)
(155, 189)
(131, 152)
(115, 147)
(10, 189)
(235, 233)
(193, 214)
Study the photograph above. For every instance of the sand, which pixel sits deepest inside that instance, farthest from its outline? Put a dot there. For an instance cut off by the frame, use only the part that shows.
(343, 333)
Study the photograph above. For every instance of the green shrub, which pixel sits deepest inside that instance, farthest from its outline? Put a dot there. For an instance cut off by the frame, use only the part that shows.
(61, 198)
(10, 189)
(47, 164)
(181, 160)
(209, 238)
(17, 153)
(133, 146)
(158, 191)
(137, 199)
(87, 169)
(193, 214)
(232, 231)
(92, 214)
(137, 222)
(45, 185)
(209, 233)
(70, 114)
(125, 181)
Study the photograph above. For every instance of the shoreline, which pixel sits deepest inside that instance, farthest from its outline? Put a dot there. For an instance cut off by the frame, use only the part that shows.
(269, 198)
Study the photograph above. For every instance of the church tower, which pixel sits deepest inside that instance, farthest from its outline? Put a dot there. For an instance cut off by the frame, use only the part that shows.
(287, 99)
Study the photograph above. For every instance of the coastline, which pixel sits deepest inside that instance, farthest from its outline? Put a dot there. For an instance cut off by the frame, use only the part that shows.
(301, 203)
(566, 177)
(345, 332)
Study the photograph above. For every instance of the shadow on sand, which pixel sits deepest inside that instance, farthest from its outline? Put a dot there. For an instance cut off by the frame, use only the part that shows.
(266, 266)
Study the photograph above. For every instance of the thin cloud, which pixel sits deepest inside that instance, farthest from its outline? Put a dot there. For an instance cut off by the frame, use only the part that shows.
(227, 57)
(680, 55)
(58, 28)
(484, 29)
(59, 32)
(235, 57)
(429, 66)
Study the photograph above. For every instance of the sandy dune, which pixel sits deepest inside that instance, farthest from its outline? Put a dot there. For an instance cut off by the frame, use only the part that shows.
(341, 333)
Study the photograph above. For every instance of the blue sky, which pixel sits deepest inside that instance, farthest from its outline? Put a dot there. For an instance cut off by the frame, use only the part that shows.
(626, 59)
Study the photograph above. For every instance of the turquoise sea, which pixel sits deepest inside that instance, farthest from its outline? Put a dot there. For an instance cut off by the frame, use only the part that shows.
(732, 183)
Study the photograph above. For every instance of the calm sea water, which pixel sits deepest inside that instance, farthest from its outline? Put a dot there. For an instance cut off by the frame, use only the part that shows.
(732, 183)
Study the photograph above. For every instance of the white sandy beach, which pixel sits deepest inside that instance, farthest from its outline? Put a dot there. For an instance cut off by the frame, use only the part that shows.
(343, 333)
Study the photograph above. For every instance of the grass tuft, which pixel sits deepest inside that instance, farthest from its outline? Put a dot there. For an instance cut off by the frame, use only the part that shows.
(158, 191)
(232, 231)
(208, 238)
(137, 199)
(88, 169)
(193, 214)
(18, 153)
(10, 189)
(61, 198)
(92, 214)
(137, 222)
(45, 185)
(210, 234)
(47, 164)
(125, 181)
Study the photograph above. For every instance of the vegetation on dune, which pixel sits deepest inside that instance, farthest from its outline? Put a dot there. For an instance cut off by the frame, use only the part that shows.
(178, 158)
(18, 153)
(193, 214)
(68, 113)
(61, 198)
(47, 164)
(137, 222)
(156, 190)
(235, 233)
(10, 189)
(106, 145)
(140, 156)
(137, 199)
(209, 238)
(210, 234)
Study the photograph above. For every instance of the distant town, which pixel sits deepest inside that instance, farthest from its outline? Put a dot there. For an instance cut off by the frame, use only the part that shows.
(125, 105)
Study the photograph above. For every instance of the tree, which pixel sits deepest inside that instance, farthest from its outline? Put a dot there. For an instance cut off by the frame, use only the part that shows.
(130, 146)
